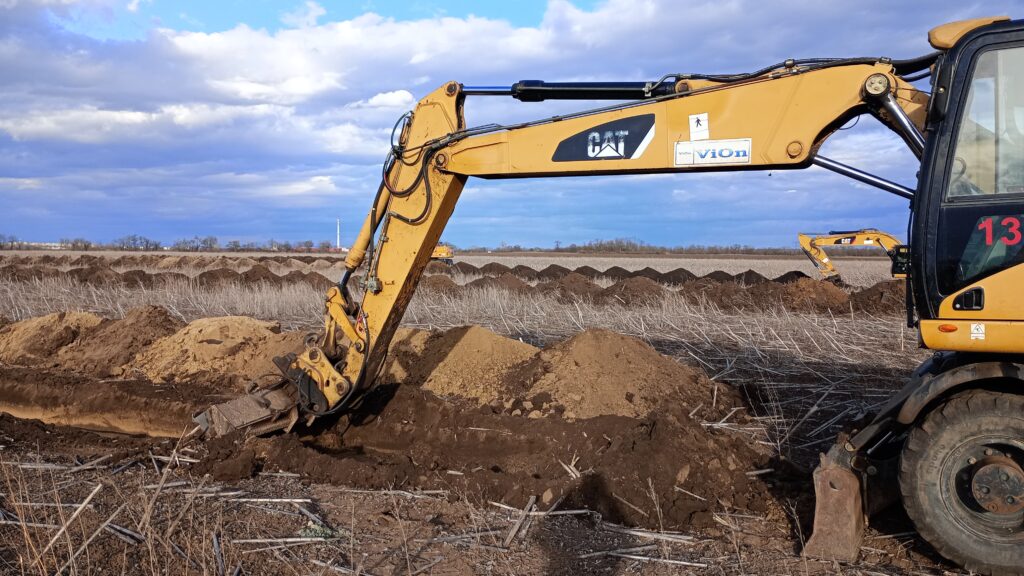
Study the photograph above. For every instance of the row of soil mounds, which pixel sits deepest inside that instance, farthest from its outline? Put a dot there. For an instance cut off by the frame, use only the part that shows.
(599, 419)
(800, 295)
(106, 276)
(556, 272)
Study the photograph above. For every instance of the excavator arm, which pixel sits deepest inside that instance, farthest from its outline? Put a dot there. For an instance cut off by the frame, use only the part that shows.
(813, 246)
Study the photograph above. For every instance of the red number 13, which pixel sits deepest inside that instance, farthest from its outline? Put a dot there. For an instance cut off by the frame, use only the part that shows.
(1013, 231)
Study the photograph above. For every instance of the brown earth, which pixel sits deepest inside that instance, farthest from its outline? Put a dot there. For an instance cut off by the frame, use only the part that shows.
(36, 340)
(602, 373)
(572, 287)
(553, 272)
(439, 284)
(103, 350)
(125, 406)
(504, 282)
(470, 362)
(227, 352)
(494, 269)
(888, 297)
(634, 291)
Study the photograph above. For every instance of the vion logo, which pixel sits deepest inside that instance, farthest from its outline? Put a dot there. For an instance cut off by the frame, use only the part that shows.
(610, 145)
(622, 139)
(712, 154)
(701, 152)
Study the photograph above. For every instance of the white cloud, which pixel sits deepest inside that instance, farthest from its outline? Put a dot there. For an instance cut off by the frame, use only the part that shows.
(304, 17)
(393, 99)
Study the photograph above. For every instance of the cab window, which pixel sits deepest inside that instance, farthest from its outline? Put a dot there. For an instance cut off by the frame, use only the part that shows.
(981, 219)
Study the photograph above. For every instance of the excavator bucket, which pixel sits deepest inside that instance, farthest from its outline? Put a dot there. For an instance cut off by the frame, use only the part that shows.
(259, 412)
(838, 513)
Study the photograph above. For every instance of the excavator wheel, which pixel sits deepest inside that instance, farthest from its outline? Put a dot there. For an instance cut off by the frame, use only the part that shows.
(962, 479)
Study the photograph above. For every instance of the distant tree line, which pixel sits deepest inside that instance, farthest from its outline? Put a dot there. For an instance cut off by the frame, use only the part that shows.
(138, 243)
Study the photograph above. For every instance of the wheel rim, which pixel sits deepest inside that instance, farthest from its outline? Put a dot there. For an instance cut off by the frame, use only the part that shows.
(980, 464)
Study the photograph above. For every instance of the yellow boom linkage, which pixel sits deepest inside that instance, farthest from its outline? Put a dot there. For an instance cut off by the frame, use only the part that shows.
(813, 246)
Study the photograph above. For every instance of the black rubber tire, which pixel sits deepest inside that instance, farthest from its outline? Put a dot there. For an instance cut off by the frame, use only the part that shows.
(931, 473)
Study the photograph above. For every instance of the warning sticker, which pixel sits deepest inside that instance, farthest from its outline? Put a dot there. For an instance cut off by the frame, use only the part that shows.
(977, 331)
(699, 128)
(736, 151)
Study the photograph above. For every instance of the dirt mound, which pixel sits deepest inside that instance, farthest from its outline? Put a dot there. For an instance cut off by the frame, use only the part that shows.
(494, 269)
(169, 262)
(95, 276)
(137, 278)
(524, 272)
(572, 287)
(318, 281)
(888, 297)
(435, 267)
(724, 295)
(37, 340)
(230, 351)
(217, 277)
(718, 276)
(678, 276)
(504, 282)
(260, 274)
(470, 362)
(439, 284)
(466, 268)
(617, 273)
(791, 276)
(634, 291)
(553, 272)
(18, 273)
(588, 271)
(649, 273)
(600, 373)
(750, 278)
(815, 296)
(103, 350)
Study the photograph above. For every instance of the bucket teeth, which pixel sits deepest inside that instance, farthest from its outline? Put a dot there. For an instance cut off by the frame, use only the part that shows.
(257, 413)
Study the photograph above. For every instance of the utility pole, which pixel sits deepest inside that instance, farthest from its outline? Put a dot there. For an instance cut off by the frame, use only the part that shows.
(337, 239)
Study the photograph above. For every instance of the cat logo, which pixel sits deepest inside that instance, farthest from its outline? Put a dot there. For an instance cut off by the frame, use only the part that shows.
(622, 139)
(611, 145)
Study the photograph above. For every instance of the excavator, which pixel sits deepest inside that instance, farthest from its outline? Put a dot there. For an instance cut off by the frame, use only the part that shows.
(443, 253)
(949, 444)
(813, 246)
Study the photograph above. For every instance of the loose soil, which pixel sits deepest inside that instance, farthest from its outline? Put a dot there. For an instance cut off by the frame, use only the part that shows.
(882, 298)
(103, 350)
(36, 340)
(228, 352)
(633, 291)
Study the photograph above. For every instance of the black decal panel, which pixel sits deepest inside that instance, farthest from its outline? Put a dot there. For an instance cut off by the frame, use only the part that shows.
(616, 140)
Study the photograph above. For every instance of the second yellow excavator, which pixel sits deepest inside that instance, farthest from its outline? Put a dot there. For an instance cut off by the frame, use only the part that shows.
(813, 246)
(950, 444)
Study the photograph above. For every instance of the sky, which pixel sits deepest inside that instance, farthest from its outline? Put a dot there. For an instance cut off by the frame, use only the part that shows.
(255, 119)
